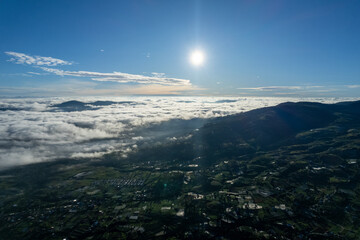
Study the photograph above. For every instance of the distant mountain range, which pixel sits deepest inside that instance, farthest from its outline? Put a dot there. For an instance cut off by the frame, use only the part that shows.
(71, 106)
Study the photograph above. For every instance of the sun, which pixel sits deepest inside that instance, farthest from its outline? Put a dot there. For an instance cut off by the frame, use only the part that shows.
(197, 58)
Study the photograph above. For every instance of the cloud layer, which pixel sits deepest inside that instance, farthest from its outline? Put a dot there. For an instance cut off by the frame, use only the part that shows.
(33, 130)
(22, 58)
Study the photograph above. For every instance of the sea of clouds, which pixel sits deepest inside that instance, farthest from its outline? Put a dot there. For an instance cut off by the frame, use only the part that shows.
(35, 130)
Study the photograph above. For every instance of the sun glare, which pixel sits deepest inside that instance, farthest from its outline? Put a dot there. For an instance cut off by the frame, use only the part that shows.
(197, 58)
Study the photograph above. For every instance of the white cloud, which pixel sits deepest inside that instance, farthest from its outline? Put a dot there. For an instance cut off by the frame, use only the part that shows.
(273, 88)
(20, 74)
(120, 77)
(156, 74)
(300, 91)
(154, 79)
(32, 132)
(22, 58)
(353, 86)
(38, 74)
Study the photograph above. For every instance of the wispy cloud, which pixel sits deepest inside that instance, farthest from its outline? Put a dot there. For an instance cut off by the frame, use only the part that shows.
(156, 74)
(154, 81)
(22, 58)
(273, 88)
(157, 78)
(285, 89)
(38, 74)
(353, 86)
(301, 90)
(19, 74)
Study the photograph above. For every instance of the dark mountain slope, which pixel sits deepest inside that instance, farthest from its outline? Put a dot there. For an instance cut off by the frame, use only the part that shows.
(244, 135)
(267, 127)
(71, 106)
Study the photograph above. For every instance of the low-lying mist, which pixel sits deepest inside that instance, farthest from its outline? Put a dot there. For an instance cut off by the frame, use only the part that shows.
(42, 129)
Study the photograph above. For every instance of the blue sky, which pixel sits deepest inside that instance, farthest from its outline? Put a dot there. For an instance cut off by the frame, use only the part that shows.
(262, 48)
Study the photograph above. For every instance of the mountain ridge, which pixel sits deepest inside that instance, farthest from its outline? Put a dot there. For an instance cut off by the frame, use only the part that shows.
(266, 126)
